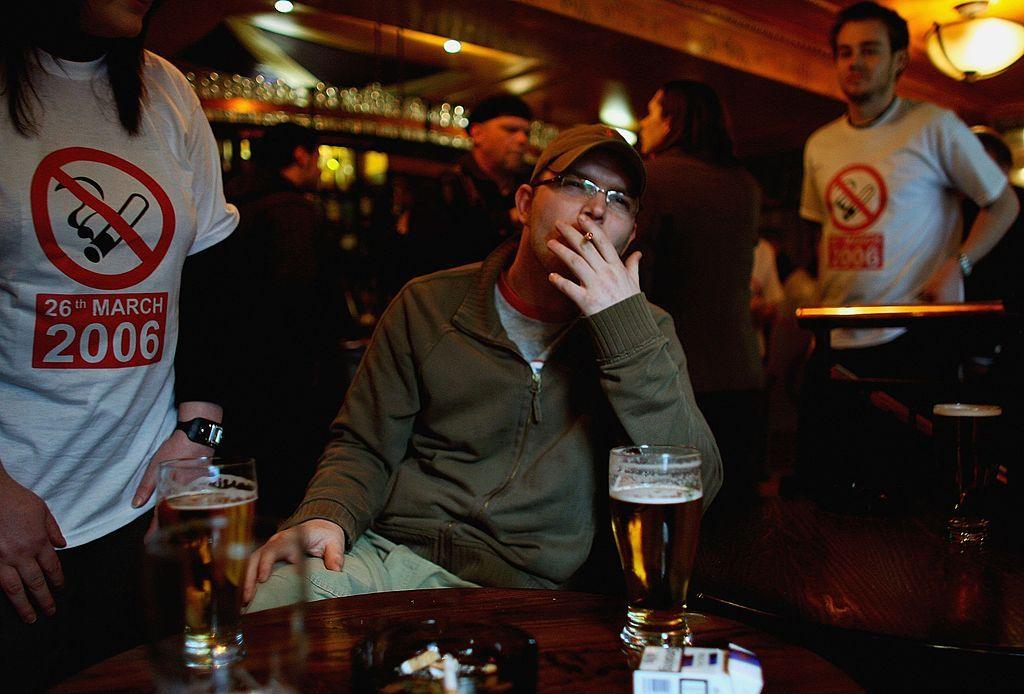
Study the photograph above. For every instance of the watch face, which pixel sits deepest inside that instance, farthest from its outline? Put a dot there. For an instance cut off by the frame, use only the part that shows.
(203, 431)
(215, 435)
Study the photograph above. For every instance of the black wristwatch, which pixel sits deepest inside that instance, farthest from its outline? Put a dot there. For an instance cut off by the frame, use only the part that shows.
(204, 431)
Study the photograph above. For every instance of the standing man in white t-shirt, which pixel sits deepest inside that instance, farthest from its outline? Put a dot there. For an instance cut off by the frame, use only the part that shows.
(884, 183)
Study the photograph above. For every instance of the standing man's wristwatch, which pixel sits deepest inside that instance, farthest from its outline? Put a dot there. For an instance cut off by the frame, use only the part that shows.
(965, 264)
(203, 431)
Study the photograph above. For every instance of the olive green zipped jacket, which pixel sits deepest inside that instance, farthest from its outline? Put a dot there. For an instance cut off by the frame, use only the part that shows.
(449, 444)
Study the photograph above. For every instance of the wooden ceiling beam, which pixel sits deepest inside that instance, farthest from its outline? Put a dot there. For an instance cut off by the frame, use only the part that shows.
(722, 34)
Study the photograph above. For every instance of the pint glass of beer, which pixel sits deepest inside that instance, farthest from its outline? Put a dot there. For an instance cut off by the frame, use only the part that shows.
(656, 509)
(207, 506)
(963, 443)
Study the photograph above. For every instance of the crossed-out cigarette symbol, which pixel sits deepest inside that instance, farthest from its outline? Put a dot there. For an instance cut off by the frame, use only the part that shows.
(846, 204)
(103, 241)
(856, 197)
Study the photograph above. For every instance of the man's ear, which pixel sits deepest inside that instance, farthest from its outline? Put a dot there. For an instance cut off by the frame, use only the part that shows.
(524, 201)
(900, 59)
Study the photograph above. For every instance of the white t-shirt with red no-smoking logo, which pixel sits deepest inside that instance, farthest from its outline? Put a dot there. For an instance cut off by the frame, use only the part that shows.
(888, 199)
(94, 228)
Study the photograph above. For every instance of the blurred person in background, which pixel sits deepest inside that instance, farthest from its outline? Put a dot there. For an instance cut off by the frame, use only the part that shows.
(470, 210)
(766, 293)
(288, 316)
(697, 232)
(884, 184)
(111, 177)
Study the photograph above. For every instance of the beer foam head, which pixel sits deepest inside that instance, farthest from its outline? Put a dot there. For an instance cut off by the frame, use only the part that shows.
(208, 501)
(649, 494)
(962, 409)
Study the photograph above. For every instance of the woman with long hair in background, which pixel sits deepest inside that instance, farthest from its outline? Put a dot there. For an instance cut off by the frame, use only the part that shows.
(697, 231)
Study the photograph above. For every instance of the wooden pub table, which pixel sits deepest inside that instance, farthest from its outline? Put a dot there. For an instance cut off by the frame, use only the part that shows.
(576, 634)
(887, 598)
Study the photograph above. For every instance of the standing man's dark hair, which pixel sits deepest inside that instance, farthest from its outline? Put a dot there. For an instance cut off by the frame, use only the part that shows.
(895, 25)
(51, 23)
(697, 122)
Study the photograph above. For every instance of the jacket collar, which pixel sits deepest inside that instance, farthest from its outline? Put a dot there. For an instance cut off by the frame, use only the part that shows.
(477, 314)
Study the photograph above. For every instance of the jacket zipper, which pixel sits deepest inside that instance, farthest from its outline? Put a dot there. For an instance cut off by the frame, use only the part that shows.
(445, 550)
(535, 397)
(535, 417)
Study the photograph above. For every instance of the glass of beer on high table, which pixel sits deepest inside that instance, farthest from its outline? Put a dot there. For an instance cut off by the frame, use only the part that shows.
(207, 506)
(656, 508)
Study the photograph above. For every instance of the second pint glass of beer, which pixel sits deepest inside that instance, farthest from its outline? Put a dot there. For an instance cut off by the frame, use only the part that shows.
(207, 506)
(656, 508)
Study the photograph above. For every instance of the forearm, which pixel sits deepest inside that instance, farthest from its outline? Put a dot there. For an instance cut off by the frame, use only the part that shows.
(347, 488)
(644, 376)
(990, 226)
(196, 408)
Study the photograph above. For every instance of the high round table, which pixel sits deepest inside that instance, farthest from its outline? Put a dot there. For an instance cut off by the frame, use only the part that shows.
(888, 598)
(576, 633)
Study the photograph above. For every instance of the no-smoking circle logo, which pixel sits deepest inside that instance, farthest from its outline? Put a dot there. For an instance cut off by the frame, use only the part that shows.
(98, 231)
(856, 198)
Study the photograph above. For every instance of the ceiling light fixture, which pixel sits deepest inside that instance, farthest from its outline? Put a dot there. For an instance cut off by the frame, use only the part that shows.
(627, 135)
(974, 47)
(284, 6)
(452, 46)
(616, 111)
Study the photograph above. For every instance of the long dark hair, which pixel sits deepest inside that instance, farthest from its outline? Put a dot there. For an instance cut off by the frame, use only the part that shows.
(697, 122)
(23, 35)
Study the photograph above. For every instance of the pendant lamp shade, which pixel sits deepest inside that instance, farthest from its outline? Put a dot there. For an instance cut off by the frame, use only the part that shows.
(975, 48)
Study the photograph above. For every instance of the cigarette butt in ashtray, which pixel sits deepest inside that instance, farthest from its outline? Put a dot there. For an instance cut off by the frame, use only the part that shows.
(451, 675)
(418, 662)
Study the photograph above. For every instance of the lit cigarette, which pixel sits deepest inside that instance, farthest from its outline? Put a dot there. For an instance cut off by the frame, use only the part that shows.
(418, 662)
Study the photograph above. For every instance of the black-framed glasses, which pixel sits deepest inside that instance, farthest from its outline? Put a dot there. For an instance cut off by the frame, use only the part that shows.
(571, 184)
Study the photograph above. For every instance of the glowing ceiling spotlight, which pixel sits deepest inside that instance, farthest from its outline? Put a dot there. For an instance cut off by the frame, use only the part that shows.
(452, 46)
(616, 111)
(284, 6)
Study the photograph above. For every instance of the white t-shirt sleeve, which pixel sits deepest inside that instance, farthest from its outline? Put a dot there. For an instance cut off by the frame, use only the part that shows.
(215, 218)
(968, 166)
(811, 207)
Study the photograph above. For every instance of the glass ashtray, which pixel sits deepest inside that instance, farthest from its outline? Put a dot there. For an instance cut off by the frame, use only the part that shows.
(445, 656)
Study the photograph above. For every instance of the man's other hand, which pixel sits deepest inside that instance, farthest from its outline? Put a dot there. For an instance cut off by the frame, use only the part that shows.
(945, 286)
(28, 563)
(317, 538)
